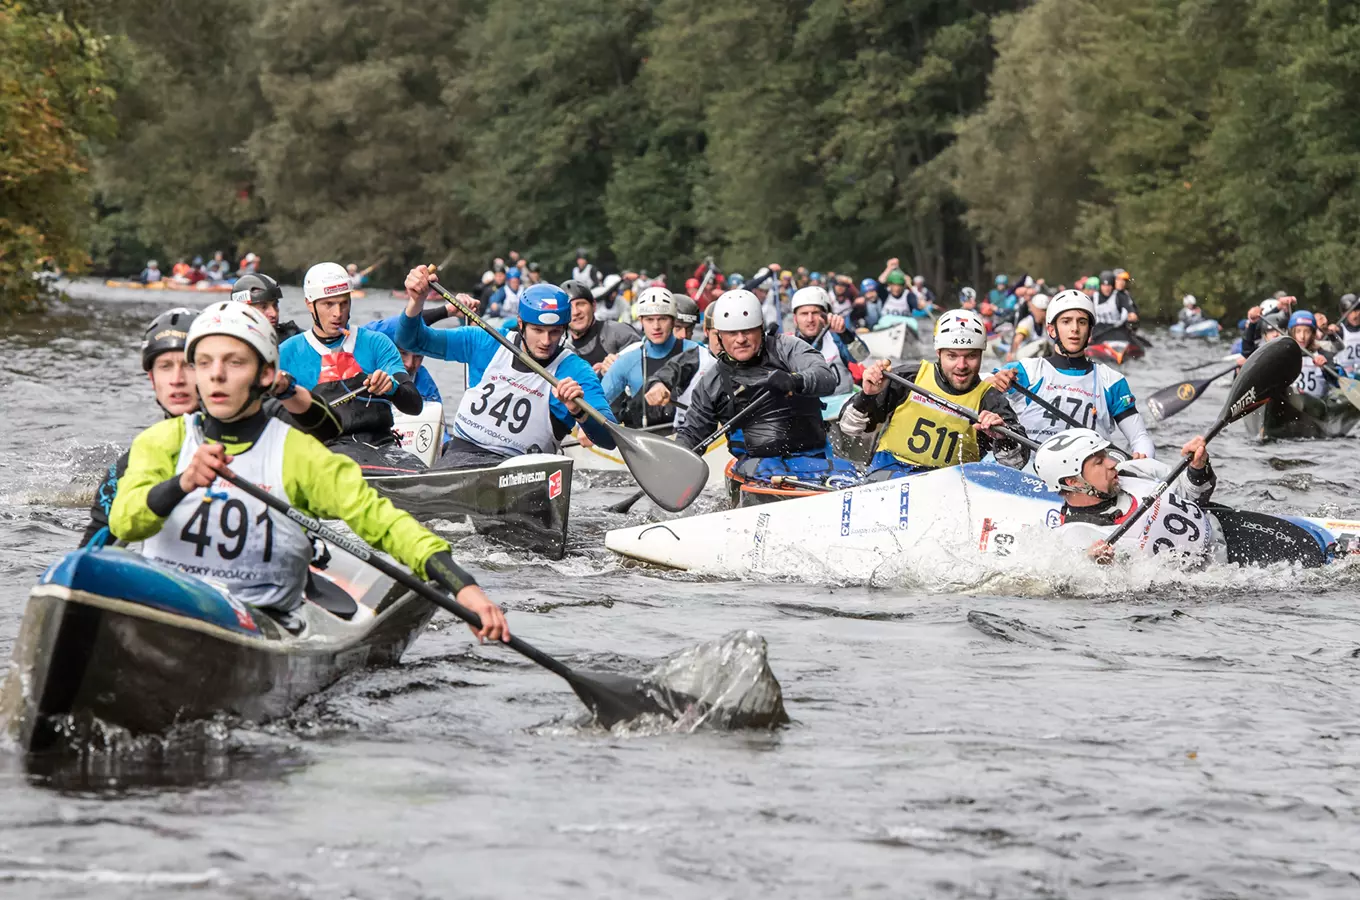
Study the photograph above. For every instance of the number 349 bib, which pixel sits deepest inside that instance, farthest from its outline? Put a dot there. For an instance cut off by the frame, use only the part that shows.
(508, 411)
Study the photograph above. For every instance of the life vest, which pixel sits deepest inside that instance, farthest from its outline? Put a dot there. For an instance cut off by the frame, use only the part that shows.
(508, 411)
(1349, 357)
(896, 306)
(341, 374)
(1082, 395)
(1173, 524)
(706, 361)
(1108, 311)
(1312, 380)
(923, 433)
(230, 539)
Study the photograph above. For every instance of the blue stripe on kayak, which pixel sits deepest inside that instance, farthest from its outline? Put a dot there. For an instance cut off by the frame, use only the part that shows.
(1007, 481)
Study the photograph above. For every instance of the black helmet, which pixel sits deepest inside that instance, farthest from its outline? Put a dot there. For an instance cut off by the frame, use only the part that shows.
(1274, 322)
(577, 290)
(256, 288)
(686, 310)
(581, 253)
(167, 332)
(1349, 302)
(1107, 277)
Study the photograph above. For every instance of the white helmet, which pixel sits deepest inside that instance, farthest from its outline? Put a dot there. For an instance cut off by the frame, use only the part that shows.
(325, 280)
(1039, 301)
(1068, 300)
(1189, 301)
(960, 329)
(656, 301)
(1063, 456)
(812, 295)
(736, 311)
(1269, 306)
(237, 320)
(603, 290)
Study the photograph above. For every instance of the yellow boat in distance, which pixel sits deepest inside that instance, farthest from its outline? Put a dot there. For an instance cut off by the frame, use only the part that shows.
(202, 287)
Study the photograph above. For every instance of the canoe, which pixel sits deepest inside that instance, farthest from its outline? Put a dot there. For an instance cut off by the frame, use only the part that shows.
(524, 501)
(1116, 352)
(109, 635)
(1205, 329)
(891, 338)
(136, 285)
(421, 435)
(1293, 418)
(977, 507)
(744, 491)
(200, 287)
(597, 459)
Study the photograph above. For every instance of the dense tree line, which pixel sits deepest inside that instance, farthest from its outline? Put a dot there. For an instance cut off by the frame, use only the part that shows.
(1209, 146)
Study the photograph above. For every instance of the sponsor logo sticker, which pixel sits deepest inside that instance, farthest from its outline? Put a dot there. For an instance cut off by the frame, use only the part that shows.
(514, 479)
(846, 502)
(555, 485)
(342, 288)
(903, 506)
(1186, 392)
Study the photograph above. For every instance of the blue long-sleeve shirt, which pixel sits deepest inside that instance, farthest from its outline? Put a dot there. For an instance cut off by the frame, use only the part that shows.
(423, 380)
(473, 346)
(626, 372)
(373, 350)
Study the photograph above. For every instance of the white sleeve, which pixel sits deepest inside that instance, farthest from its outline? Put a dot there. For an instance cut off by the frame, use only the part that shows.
(1136, 433)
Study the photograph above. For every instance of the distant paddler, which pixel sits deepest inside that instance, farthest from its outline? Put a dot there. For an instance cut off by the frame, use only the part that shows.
(1090, 393)
(1100, 493)
(624, 383)
(922, 434)
(508, 409)
(264, 293)
(787, 435)
(597, 341)
(332, 359)
(825, 332)
(1347, 332)
(172, 499)
(1314, 381)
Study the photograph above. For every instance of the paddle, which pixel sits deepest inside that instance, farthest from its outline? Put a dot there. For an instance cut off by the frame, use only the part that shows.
(611, 698)
(1267, 372)
(969, 414)
(1254, 539)
(1350, 388)
(1057, 411)
(672, 475)
(1231, 357)
(1171, 400)
(701, 448)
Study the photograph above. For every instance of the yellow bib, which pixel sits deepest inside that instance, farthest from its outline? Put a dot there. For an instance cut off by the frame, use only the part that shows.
(923, 433)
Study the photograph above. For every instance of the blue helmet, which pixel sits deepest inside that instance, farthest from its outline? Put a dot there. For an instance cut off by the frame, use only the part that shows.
(544, 304)
(815, 276)
(868, 285)
(1303, 317)
(512, 272)
(735, 280)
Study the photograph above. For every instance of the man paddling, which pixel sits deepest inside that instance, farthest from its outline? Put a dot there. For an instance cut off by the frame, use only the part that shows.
(333, 359)
(1314, 381)
(264, 293)
(597, 341)
(624, 383)
(922, 434)
(815, 325)
(171, 499)
(1092, 393)
(787, 436)
(508, 409)
(1347, 331)
(176, 394)
(1099, 494)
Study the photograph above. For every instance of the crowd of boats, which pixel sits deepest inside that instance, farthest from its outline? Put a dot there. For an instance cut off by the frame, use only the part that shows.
(214, 578)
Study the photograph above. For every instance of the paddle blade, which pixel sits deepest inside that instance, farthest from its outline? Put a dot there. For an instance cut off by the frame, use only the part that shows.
(1267, 373)
(1350, 389)
(612, 698)
(1171, 400)
(671, 474)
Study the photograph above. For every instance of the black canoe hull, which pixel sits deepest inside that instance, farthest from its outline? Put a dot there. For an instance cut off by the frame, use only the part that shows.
(525, 503)
(1298, 418)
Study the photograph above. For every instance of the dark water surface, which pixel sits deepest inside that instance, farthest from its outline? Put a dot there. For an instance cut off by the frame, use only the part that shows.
(1114, 733)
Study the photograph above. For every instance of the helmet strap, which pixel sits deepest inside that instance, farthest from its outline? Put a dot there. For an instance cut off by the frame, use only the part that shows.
(1084, 487)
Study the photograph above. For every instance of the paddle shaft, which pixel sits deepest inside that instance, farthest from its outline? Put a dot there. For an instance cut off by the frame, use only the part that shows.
(969, 414)
(1053, 408)
(361, 551)
(519, 354)
(1164, 486)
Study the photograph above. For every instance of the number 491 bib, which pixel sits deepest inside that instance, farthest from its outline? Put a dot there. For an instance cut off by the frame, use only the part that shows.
(508, 411)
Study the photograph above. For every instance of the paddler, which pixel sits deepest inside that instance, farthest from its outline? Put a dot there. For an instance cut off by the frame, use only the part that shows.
(815, 325)
(170, 497)
(507, 409)
(1314, 381)
(687, 317)
(788, 435)
(333, 359)
(264, 293)
(922, 434)
(597, 341)
(1347, 331)
(624, 383)
(172, 383)
(1090, 392)
(1099, 494)
(1031, 327)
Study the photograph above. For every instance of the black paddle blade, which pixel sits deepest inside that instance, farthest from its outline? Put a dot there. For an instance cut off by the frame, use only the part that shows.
(671, 474)
(1258, 539)
(612, 698)
(628, 502)
(1171, 400)
(1267, 373)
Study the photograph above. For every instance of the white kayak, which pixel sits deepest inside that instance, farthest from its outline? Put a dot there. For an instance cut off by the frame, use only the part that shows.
(977, 508)
(421, 435)
(891, 342)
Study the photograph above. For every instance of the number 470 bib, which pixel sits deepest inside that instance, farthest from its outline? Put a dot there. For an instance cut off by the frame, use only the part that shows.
(508, 410)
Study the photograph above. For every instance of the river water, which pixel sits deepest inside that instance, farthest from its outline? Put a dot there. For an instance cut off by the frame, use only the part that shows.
(1087, 734)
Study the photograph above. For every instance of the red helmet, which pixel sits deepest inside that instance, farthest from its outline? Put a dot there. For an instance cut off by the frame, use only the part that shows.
(692, 285)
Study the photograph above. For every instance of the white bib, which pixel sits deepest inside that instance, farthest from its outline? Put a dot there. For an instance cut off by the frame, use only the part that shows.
(1311, 381)
(706, 361)
(896, 306)
(1107, 310)
(257, 555)
(1349, 357)
(507, 411)
(1080, 395)
(1173, 525)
